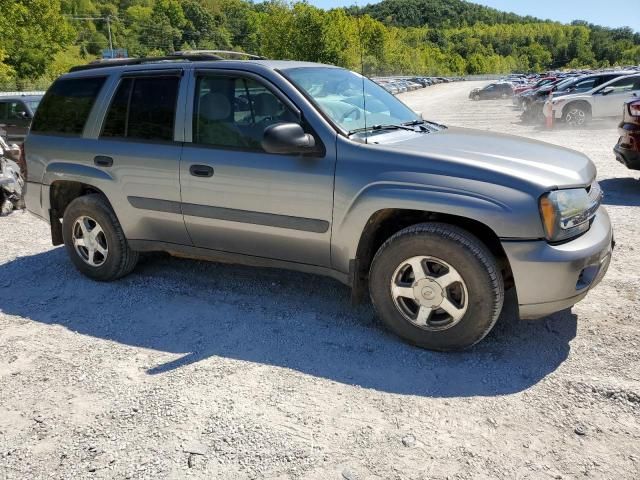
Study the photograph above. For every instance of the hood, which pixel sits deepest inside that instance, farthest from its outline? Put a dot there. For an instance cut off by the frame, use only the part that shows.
(504, 159)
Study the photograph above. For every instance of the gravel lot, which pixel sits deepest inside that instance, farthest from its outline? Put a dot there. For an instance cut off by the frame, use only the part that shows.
(188, 369)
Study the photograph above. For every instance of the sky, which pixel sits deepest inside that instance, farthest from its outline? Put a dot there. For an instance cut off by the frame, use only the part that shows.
(610, 13)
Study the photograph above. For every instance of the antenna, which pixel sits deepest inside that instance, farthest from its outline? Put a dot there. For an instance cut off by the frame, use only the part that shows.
(364, 97)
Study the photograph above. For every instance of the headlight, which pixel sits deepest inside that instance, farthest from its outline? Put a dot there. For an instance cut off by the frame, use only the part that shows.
(568, 213)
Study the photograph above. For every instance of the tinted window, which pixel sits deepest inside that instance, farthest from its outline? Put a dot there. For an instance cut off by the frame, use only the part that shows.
(116, 122)
(625, 84)
(144, 108)
(16, 111)
(3, 111)
(585, 85)
(66, 106)
(233, 112)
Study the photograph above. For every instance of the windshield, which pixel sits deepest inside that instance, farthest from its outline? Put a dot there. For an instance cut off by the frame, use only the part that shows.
(338, 93)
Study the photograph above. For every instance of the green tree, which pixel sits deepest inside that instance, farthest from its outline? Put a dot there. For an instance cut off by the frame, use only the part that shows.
(33, 31)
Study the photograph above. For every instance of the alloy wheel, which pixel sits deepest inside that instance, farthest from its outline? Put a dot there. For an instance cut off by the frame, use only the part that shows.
(576, 117)
(429, 293)
(90, 241)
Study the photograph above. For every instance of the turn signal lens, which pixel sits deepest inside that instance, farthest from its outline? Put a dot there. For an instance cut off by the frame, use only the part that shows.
(549, 218)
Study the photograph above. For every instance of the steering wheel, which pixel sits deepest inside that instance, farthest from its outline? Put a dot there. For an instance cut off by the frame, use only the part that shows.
(348, 114)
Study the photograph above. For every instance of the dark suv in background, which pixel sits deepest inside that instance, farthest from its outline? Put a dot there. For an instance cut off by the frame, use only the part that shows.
(627, 149)
(16, 112)
(492, 91)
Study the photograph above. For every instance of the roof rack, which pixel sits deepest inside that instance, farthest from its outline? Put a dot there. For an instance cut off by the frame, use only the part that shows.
(119, 62)
(21, 94)
(230, 53)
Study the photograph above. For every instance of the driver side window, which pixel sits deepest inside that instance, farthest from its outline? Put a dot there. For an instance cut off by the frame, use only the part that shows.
(625, 85)
(233, 112)
(16, 111)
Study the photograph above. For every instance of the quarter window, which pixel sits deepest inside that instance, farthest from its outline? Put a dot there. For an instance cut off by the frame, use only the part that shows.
(143, 108)
(233, 112)
(66, 106)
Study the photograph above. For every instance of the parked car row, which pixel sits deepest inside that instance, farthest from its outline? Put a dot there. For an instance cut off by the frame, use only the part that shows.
(575, 98)
(408, 84)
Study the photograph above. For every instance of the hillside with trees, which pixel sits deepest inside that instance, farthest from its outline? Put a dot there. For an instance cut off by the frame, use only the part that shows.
(40, 39)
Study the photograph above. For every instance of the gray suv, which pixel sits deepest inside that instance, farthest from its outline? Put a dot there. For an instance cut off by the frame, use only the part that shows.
(314, 168)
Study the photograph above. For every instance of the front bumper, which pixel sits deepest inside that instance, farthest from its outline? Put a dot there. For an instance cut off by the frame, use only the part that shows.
(549, 278)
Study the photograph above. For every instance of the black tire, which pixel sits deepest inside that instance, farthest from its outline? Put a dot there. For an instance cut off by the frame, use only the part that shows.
(472, 260)
(120, 260)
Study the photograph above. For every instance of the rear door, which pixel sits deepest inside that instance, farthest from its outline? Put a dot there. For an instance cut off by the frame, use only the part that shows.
(139, 148)
(237, 197)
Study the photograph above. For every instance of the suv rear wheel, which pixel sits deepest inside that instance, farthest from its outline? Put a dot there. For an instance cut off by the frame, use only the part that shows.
(436, 286)
(95, 241)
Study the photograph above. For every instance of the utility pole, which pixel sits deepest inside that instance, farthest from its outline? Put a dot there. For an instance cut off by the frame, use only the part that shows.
(109, 30)
(104, 19)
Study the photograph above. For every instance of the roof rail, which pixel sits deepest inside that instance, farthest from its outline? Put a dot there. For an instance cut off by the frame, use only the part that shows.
(231, 53)
(118, 62)
(22, 94)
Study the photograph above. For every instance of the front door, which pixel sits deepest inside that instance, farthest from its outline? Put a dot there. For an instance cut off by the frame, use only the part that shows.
(610, 104)
(238, 198)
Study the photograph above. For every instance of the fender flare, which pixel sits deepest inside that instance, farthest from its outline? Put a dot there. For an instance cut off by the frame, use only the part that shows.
(74, 172)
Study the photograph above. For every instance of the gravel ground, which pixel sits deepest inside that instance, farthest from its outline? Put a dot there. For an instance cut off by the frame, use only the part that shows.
(188, 369)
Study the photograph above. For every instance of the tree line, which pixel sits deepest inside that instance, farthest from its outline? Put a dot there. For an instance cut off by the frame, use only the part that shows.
(40, 39)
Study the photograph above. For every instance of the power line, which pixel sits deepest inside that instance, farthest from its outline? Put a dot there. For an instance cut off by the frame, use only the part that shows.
(107, 19)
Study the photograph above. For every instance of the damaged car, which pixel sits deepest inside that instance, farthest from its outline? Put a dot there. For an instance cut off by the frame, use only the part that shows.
(11, 178)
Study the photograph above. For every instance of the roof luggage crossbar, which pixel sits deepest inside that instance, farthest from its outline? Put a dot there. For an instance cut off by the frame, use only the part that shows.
(142, 60)
(231, 53)
(183, 55)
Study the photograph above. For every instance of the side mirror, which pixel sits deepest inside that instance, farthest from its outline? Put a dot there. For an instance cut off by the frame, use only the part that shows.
(24, 115)
(287, 138)
(607, 90)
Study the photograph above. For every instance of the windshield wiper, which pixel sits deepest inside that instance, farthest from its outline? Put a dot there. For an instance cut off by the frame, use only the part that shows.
(381, 127)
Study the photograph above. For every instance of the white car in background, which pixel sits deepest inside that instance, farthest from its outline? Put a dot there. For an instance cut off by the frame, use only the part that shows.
(603, 101)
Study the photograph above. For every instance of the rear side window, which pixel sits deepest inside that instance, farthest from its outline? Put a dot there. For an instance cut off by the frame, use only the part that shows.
(66, 106)
(143, 108)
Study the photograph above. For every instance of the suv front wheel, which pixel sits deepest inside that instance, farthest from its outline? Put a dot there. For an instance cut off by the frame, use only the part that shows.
(95, 241)
(436, 286)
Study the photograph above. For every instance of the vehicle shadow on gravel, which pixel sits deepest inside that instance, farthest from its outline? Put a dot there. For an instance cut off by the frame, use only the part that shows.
(623, 191)
(200, 310)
